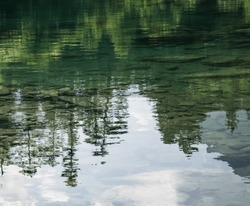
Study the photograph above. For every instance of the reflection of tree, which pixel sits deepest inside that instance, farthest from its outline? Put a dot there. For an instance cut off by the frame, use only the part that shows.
(83, 24)
(5, 144)
(225, 94)
(40, 117)
(46, 131)
(36, 142)
(98, 98)
(178, 121)
(2, 161)
(232, 120)
(179, 114)
(248, 114)
(230, 6)
(69, 161)
(7, 132)
(48, 31)
(183, 100)
(105, 121)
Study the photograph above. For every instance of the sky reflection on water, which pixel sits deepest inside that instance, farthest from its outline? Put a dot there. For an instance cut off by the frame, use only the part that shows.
(133, 173)
(124, 102)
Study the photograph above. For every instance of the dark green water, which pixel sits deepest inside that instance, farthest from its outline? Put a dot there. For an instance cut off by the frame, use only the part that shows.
(108, 103)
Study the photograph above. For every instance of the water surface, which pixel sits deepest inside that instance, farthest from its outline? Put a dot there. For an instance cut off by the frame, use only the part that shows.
(124, 103)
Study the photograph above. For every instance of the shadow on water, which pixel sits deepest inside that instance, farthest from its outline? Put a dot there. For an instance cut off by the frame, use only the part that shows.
(69, 70)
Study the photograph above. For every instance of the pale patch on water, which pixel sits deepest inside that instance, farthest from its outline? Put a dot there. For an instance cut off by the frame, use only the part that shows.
(140, 114)
(175, 188)
(156, 188)
(14, 191)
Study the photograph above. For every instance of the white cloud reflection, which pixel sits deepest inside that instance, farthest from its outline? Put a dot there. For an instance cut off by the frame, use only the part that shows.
(141, 114)
(20, 190)
(54, 196)
(155, 188)
(50, 188)
(179, 188)
(173, 187)
(14, 189)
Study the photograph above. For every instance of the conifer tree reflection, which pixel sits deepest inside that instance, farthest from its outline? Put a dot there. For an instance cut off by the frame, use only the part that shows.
(179, 126)
(43, 39)
(29, 164)
(36, 141)
(106, 120)
(6, 141)
(248, 114)
(5, 145)
(232, 120)
(69, 160)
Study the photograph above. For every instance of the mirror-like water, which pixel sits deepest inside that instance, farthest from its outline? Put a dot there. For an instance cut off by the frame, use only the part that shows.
(125, 102)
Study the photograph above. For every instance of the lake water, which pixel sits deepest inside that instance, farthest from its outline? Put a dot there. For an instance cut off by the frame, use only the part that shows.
(116, 103)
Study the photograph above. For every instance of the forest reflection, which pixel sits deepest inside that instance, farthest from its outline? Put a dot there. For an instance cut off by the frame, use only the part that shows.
(52, 89)
(40, 127)
(43, 30)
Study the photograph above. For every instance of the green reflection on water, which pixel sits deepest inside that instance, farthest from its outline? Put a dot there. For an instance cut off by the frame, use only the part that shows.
(37, 33)
(69, 69)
